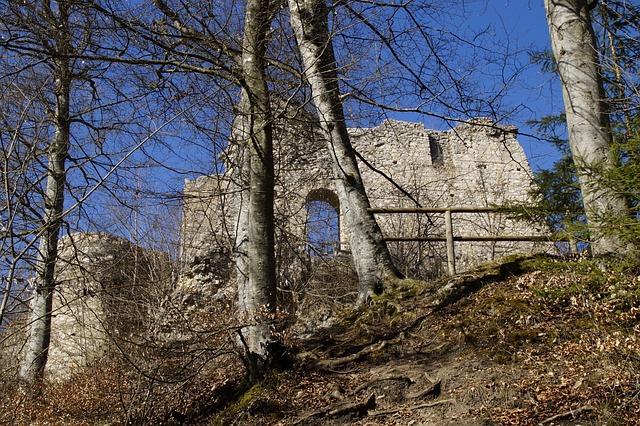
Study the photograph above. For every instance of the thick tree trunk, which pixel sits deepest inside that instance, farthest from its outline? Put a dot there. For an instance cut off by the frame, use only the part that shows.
(574, 48)
(257, 301)
(41, 305)
(309, 19)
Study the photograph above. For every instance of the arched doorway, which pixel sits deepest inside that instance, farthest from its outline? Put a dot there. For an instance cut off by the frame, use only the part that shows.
(322, 228)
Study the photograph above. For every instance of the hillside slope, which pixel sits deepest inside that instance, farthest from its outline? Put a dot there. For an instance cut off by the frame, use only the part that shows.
(523, 341)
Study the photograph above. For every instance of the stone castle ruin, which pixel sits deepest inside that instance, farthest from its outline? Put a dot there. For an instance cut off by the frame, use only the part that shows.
(104, 281)
(476, 164)
(106, 290)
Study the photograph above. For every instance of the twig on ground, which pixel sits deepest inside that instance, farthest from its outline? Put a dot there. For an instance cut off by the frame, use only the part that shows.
(570, 413)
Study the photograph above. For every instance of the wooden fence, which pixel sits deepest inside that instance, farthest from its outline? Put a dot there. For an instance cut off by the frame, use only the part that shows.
(449, 236)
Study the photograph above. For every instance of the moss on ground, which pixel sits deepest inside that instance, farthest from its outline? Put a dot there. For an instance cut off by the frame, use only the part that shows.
(252, 401)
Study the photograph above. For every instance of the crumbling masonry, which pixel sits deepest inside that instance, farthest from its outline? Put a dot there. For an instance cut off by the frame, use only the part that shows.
(476, 164)
(104, 281)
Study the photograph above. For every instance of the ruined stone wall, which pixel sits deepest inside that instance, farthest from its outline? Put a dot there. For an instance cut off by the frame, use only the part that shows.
(105, 286)
(474, 164)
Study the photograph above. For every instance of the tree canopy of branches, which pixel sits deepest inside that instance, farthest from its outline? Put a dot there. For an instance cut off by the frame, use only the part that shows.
(212, 64)
(65, 108)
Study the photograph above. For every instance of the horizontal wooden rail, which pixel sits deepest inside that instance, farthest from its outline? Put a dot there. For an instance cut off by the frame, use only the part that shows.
(461, 209)
(476, 238)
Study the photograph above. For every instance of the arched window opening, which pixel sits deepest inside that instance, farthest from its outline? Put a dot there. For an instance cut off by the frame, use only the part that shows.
(323, 233)
(323, 224)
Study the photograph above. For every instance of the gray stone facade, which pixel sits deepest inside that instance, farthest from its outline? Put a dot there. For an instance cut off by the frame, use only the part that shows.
(475, 164)
(105, 289)
(107, 286)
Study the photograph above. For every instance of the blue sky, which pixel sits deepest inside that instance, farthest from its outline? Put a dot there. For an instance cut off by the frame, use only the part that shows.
(512, 28)
(525, 23)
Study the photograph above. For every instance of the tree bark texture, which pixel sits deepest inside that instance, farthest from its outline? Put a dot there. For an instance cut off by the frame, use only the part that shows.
(576, 55)
(309, 19)
(33, 365)
(57, 23)
(241, 137)
(258, 299)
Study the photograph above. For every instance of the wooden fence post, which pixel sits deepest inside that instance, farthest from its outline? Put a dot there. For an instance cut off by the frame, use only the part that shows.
(451, 259)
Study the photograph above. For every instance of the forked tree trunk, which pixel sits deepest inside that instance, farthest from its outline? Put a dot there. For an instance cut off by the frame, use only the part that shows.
(309, 19)
(35, 359)
(258, 299)
(574, 48)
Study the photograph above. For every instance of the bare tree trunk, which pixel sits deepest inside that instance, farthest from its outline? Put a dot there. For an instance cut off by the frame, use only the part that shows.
(309, 19)
(41, 305)
(241, 137)
(574, 48)
(258, 299)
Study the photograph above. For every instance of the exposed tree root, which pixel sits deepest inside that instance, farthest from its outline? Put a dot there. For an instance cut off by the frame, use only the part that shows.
(335, 410)
(327, 364)
(433, 390)
(410, 408)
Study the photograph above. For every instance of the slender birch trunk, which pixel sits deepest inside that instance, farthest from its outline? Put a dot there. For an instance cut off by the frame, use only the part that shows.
(309, 19)
(33, 365)
(575, 51)
(258, 299)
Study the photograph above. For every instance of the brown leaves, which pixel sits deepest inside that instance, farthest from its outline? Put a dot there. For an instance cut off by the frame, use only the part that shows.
(589, 352)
